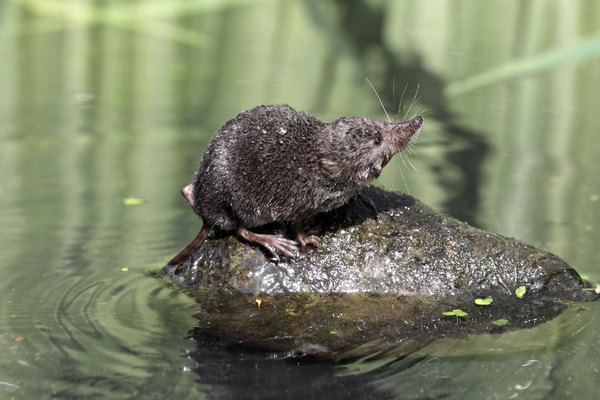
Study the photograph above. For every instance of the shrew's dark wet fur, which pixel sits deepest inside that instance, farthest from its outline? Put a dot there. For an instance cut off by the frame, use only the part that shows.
(274, 164)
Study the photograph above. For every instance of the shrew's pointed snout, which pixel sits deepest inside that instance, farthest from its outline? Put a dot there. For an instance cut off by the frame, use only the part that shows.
(416, 123)
(409, 127)
(403, 131)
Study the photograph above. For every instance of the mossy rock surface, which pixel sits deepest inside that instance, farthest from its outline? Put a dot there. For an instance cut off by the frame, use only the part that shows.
(387, 268)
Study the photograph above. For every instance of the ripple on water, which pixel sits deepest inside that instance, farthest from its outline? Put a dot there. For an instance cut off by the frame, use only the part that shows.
(121, 332)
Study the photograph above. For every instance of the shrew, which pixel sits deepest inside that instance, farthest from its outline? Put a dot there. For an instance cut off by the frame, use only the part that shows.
(274, 164)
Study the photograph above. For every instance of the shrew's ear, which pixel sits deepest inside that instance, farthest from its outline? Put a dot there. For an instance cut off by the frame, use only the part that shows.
(330, 168)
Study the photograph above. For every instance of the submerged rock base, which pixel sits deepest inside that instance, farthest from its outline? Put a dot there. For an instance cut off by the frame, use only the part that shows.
(387, 269)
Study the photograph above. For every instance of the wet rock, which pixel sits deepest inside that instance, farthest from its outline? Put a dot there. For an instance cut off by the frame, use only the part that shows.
(387, 268)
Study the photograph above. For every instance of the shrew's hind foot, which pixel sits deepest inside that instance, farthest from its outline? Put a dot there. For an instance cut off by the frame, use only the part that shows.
(275, 244)
(188, 193)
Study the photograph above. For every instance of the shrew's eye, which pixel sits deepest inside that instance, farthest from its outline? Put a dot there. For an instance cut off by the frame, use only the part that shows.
(377, 140)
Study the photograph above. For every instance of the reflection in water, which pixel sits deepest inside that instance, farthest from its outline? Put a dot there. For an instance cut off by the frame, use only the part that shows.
(240, 374)
(509, 364)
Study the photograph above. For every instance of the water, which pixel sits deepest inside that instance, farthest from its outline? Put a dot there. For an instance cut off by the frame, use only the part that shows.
(104, 101)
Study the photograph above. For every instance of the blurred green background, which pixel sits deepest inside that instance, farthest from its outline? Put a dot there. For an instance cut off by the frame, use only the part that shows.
(103, 100)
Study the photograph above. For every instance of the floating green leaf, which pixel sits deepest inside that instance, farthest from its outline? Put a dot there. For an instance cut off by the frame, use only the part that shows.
(133, 201)
(520, 291)
(484, 302)
(124, 269)
(457, 313)
(500, 322)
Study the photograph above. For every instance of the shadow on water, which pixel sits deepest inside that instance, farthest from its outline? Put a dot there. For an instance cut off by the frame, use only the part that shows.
(360, 28)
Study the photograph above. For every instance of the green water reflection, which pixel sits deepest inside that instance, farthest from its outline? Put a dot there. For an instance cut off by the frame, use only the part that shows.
(100, 101)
